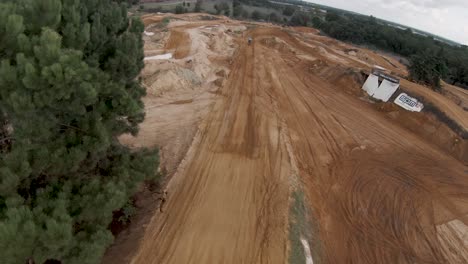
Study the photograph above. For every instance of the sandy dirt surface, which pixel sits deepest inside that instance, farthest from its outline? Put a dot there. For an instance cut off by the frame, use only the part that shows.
(238, 123)
(443, 102)
(179, 42)
(457, 94)
(233, 195)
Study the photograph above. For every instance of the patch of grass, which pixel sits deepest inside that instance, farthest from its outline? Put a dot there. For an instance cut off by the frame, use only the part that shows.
(166, 21)
(163, 24)
(301, 225)
(296, 226)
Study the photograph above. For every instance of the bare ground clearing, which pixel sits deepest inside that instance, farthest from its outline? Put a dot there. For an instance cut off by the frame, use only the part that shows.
(237, 124)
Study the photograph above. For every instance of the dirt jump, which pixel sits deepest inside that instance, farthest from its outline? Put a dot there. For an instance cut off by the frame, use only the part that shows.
(266, 120)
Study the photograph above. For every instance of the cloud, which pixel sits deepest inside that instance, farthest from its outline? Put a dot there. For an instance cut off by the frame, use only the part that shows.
(447, 18)
(439, 3)
(415, 5)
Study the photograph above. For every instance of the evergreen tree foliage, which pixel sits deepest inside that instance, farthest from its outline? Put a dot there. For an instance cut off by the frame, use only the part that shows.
(257, 15)
(273, 17)
(68, 89)
(179, 9)
(300, 19)
(289, 10)
(198, 8)
(223, 8)
(237, 8)
(316, 22)
(428, 68)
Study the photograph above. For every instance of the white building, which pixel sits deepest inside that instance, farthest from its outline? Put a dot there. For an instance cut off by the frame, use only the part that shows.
(380, 85)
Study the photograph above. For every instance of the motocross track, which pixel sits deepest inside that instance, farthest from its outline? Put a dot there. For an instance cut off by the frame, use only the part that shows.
(378, 192)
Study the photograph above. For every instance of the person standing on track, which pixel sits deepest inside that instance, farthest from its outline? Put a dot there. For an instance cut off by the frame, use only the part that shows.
(249, 40)
(163, 199)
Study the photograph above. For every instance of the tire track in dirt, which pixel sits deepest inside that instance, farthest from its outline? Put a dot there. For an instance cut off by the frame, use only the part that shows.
(378, 192)
(230, 204)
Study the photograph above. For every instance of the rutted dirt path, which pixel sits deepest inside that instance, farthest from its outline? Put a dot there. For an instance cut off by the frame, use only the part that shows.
(230, 203)
(378, 193)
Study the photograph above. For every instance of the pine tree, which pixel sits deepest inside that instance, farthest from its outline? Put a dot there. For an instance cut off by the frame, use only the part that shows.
(68, 89)
(198, 8)
(427, 68)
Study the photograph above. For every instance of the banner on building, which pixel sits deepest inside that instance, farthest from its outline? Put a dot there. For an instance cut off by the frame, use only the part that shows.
(409, 103)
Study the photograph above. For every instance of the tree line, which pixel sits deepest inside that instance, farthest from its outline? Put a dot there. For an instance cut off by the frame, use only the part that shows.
(430, 59)
(68, 89)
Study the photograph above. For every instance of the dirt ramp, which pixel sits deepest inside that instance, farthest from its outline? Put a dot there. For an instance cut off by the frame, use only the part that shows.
(151, 19)
(432, 128)
(179, 42)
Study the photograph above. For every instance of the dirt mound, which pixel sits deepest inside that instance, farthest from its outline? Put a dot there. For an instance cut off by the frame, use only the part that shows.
(458, 95)
(277, 44)
(349, 79)
(179, 43)
(306, 30)
(154, 44)
(172, 81)
(151, 19)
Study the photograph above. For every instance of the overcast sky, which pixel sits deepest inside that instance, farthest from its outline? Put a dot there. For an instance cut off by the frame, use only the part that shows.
(446, 18)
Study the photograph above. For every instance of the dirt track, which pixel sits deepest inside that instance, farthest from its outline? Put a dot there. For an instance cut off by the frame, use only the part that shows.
(378, 193)
(234, 194)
